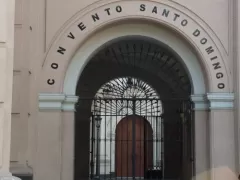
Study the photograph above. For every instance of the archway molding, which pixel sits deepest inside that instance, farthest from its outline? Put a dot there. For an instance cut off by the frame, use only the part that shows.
(198, 47)
(193, 32)
(148, 31)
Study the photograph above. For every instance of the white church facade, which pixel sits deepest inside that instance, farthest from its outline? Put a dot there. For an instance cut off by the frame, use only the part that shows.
(118, 89)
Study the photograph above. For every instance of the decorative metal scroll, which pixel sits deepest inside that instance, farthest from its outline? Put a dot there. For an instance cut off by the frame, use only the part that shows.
(124, 89)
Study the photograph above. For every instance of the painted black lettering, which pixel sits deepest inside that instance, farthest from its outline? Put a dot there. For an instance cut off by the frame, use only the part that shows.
(203, 41)
(51, 81)
(176, 16)
(196, 33)
(210, 50)
(216, 65)
(219, 75)
(95, 17)
(119, 9)
(221, 86)
(54, 65)
(213, 58)
(154, 10)
(165, 13)
(61, 50)
(184, 22)
(81, 26)
(142, 7)
(108, 11)
(71, 36)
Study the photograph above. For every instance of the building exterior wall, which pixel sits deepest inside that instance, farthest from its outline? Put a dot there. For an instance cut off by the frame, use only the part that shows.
(7, 12)
(39, 24)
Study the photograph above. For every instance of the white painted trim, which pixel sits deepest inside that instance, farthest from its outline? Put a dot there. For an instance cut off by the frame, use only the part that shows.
(212, 101)
(221, 101)
(200, 102)
(50, 101)
(69, 103)
(57, 102)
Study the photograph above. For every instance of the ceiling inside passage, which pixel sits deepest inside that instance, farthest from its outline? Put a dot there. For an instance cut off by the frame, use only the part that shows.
(142, 58)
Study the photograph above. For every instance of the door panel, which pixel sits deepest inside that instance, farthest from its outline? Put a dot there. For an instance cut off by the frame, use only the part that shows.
(143, 143)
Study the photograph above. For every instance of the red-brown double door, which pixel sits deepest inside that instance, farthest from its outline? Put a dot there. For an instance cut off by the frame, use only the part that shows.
(127, 141)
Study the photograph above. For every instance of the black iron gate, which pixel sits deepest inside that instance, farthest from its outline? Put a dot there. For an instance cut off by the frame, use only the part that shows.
(134, 138)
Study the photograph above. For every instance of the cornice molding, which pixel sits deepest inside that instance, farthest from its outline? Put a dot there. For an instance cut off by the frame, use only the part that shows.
(212, 101)
(69, 102)
(221, 101)
(50, 102)
(200, 102)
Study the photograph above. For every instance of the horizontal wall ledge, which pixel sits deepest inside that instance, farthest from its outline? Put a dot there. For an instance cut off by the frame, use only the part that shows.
(50, 102)
(200, 102)
(221, 101)
(213, 101)
(209, 101)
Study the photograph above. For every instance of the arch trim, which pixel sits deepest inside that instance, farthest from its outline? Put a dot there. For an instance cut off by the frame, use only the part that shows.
(100, 39)
(73, 37)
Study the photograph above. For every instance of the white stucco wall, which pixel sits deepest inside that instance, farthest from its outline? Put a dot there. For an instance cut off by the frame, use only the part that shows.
(38, 24)
(7, 12)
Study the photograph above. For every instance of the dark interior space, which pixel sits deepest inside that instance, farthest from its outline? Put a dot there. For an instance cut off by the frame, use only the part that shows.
(158, 66)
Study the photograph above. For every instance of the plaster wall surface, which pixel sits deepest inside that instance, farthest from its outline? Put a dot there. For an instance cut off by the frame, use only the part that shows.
(6, 74)
(21, 77)
(37, 24)
(215, 13)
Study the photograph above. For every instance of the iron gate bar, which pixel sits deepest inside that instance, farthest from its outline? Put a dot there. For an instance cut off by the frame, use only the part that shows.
(105, 141)
(104, 107)
(127, 144)
(133, 140)
(192, 118)
(183, 99)
(110, 145)
(91, 150)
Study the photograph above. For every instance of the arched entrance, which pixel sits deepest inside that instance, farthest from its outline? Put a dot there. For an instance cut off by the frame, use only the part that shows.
(142, 136)
(115, 84)
(63, 70)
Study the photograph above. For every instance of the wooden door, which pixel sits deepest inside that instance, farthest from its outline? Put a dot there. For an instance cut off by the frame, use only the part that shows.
(143, 143)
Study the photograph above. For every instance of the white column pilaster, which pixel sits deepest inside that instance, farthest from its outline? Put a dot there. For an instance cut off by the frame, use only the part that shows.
(222, 136)
(201, 147)
(55, 144)
(7, 13)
